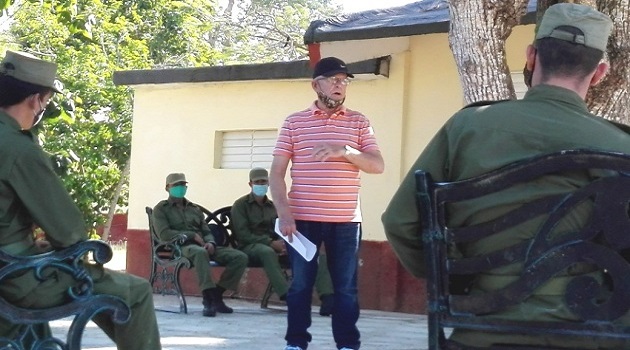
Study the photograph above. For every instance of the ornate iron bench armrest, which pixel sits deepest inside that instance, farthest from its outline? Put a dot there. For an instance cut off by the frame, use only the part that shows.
(172, 246)
(82, 303)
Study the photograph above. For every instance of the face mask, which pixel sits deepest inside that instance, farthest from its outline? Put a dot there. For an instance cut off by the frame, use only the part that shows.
(177, 191)
(329, 102)
(259, 190)
(38, 116)
(527, 75)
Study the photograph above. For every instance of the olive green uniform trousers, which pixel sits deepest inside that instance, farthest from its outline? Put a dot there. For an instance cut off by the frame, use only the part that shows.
(140, 333)
(234, 260)
(265, 256)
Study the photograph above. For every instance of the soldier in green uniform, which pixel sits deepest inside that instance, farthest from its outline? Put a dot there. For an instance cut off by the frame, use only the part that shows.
(253, 220)
(177, 215)
(565, 60)
(32, 194)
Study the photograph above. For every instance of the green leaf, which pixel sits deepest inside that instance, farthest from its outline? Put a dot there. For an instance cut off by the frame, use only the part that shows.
(4, 4)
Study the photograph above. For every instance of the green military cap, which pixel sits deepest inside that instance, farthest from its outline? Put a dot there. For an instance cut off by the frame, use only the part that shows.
(595, 25)
(175, 178)
(258, 174)
(30, 69)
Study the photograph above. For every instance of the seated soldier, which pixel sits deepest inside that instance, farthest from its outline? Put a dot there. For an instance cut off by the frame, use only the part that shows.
(565, 61)
(253, 220)
(176, 215)
(32, 194)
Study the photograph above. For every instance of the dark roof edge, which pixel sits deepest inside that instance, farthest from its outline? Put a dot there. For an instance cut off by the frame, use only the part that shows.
(243, 72)
(313, 36)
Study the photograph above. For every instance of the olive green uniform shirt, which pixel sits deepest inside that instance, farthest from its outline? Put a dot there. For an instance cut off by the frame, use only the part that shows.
(31, 193)
(477, 140)
(253, 222)
(171, 220)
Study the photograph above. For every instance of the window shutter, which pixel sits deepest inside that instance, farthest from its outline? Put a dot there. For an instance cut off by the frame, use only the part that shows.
(246, 149)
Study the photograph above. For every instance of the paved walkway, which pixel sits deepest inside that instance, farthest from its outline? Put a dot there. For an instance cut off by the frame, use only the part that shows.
(253, 328)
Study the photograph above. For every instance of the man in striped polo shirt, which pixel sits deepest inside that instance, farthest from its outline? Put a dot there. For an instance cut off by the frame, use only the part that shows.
(327, 144)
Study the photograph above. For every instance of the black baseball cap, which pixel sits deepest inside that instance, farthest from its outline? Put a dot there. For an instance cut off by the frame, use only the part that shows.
(330, 66)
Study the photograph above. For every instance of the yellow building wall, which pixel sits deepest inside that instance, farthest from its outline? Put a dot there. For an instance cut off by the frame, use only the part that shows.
(174, 131)
(175, 125)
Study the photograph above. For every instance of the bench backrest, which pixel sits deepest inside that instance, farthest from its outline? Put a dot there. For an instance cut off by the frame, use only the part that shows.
(220, 222)
(601, 244)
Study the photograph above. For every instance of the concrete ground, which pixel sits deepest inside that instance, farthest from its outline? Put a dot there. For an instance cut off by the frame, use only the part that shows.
(253, 328)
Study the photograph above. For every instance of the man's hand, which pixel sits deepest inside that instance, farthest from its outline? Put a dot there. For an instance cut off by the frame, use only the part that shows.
(43, 245)
(199, 240)
(279, 247)
(209, 248)
(326, 151)
(287, 226)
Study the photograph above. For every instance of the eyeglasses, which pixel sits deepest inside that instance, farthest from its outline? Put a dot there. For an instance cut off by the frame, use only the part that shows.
(336, 80)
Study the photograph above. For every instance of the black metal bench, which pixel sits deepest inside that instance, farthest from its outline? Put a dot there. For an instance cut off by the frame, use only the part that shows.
(167, 260)
(602, 243)
(166, 264)
(223, 219)
(81, 304)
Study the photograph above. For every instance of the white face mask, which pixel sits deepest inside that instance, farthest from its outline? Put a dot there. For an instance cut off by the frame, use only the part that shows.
(39, 115)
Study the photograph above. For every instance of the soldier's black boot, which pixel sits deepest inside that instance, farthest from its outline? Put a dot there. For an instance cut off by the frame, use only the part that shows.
(217, 301)
(208, 304)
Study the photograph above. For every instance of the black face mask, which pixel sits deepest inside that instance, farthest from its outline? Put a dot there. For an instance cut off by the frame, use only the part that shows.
(527, 75)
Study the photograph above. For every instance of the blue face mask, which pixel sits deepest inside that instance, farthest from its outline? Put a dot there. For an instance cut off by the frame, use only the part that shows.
(177, 191)
(259, 190)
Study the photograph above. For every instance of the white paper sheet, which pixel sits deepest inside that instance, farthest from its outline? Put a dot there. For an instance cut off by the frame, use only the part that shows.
(300, 243)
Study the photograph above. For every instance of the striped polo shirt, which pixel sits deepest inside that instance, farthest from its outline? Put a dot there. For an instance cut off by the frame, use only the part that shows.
(324, 191)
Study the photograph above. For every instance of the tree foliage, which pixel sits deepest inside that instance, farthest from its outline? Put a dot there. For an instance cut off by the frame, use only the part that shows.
(266, 30)
(89, 136)
(87, 131)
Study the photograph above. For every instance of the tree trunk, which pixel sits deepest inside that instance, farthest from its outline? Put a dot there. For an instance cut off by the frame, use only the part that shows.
(112, 205)
(477, 39)
(611, 99)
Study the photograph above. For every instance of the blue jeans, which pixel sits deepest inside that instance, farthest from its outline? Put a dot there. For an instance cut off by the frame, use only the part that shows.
(342, 248)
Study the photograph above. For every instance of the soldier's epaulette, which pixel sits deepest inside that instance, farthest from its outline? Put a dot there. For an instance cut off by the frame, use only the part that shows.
(484, 103)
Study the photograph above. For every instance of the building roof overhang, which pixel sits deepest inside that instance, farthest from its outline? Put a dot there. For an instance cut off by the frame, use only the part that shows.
(417, 18)
(243, 72)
